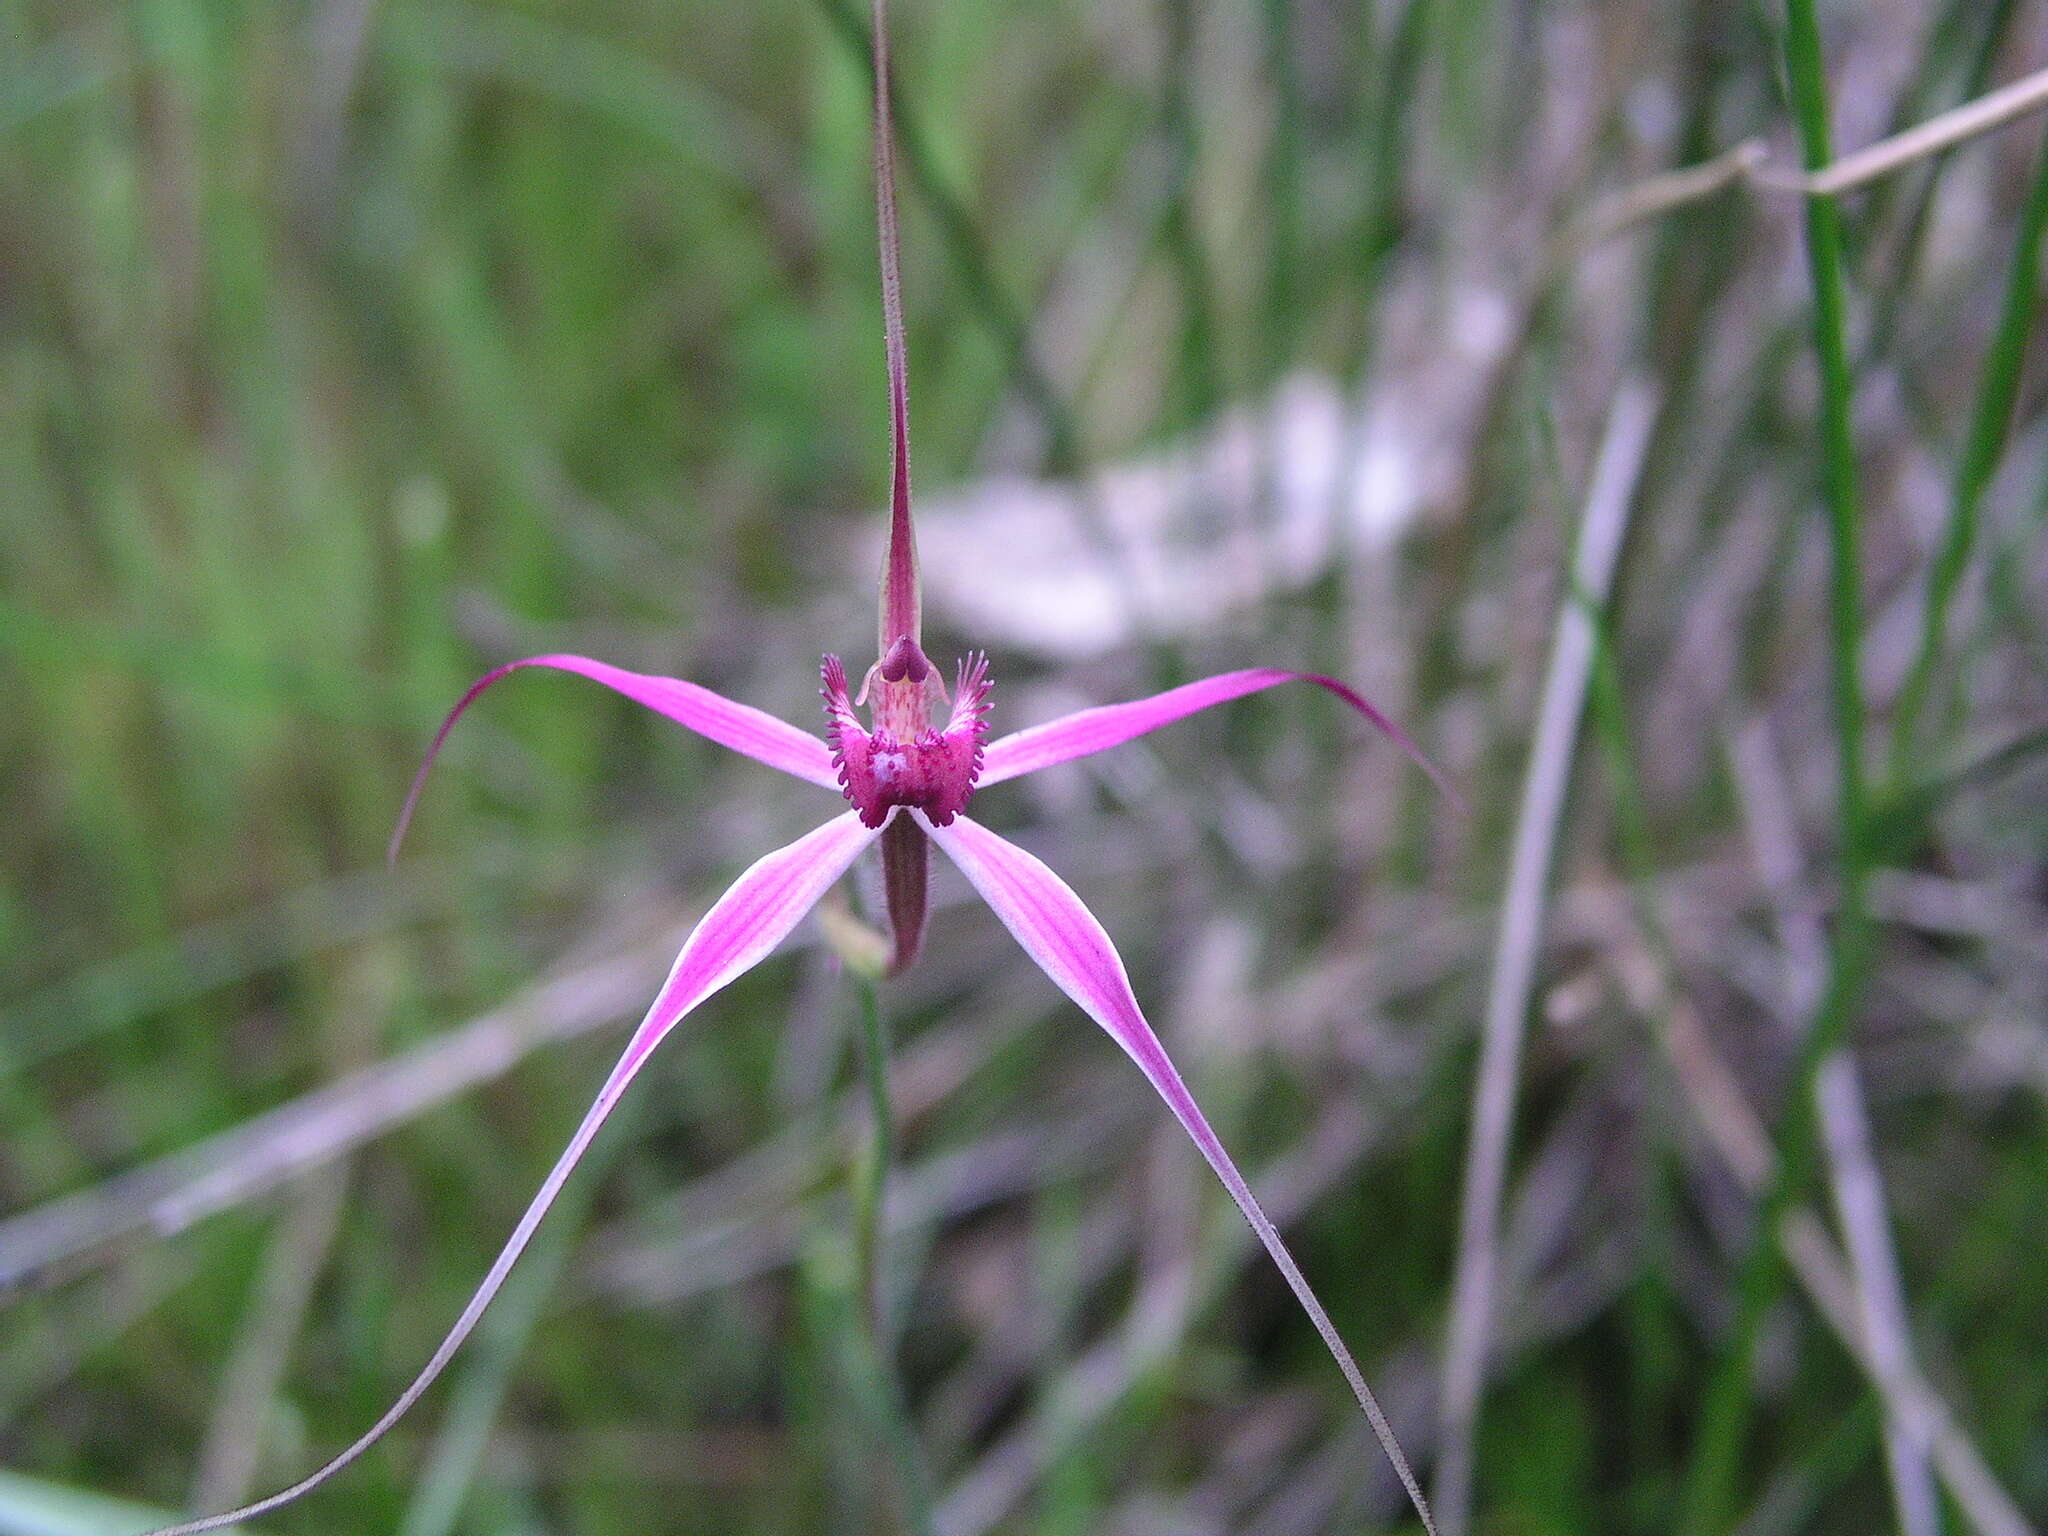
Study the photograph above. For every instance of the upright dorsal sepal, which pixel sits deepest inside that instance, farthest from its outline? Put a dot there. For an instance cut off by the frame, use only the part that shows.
(901, 608)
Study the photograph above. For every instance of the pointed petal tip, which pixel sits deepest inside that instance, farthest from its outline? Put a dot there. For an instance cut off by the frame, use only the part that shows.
(397, 839)
(426, 767)
(1386, 726)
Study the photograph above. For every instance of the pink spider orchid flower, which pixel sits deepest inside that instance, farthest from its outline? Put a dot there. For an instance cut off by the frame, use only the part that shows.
(909, 783)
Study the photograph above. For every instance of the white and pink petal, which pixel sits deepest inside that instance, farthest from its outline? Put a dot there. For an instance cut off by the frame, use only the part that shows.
(1088, 731)
(749, 731)
(1057, 930)
(742, 928)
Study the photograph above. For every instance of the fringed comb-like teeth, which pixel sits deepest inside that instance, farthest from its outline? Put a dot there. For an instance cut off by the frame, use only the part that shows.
(839, 715)
(954, 755)
(853, 749)
(843, 734)
(971, 690)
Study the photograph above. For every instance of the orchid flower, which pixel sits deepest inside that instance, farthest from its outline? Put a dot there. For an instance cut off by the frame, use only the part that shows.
(908, 782)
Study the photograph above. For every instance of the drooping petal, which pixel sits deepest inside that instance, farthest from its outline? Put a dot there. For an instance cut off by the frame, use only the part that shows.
(906, 890)
(1070, 946)
(1089, 731)
(739, 931)
(747, 730)
(756, 914)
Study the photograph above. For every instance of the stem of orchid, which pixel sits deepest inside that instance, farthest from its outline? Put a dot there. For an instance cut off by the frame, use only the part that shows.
(871, 1173)
(873, 1373)
(875, 1385)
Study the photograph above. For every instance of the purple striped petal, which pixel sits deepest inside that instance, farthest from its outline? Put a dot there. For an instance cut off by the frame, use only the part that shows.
(748, 921)
(1089, 731)
(1070, 946)
(753, 732)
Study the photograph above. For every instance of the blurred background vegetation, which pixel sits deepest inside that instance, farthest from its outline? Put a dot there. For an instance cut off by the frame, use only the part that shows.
(347, 348)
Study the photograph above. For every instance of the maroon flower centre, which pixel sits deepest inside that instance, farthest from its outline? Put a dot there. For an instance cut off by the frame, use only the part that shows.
(904, 759)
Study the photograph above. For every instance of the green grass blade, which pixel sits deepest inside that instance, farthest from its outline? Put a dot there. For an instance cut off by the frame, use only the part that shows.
(1708, 1502)
(1984, 446)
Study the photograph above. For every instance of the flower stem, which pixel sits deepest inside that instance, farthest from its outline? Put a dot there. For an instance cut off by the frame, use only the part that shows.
(871, 1172)
(869, 1366)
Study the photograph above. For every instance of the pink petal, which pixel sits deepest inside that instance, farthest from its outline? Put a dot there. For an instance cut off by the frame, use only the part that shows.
(1089, 731)
(1070, 946)
(750, 919)
(747, 730)
(740, 931)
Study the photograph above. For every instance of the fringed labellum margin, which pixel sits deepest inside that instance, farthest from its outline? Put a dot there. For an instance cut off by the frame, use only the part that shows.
(904, 760)
(905, 763)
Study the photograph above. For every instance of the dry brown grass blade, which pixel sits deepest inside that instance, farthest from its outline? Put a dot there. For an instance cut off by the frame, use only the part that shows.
(1624, 444)
(170, 1194)
(1853, 1175)
(1995, 109)
(276, 1311)
(1748, 163)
